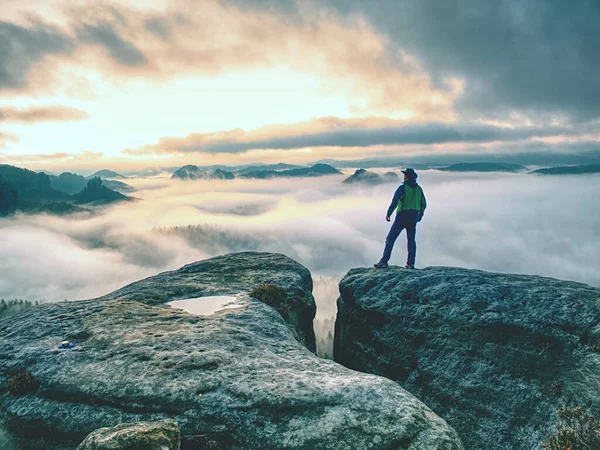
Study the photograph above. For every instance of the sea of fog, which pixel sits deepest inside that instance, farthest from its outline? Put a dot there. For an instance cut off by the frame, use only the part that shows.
(515, 223)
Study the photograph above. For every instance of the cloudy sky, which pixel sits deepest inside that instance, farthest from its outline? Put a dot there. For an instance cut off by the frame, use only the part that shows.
(136, 83)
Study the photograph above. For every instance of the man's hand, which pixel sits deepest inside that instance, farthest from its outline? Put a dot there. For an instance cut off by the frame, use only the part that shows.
(420, 217)
(387, 218)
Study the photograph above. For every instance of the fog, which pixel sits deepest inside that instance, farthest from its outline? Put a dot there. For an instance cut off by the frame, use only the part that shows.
(514, 223)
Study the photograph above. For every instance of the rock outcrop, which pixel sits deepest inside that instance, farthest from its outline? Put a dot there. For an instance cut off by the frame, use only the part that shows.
(362, 176)
(237, 379)
(495, 355)
(191, 172)
(159, 435)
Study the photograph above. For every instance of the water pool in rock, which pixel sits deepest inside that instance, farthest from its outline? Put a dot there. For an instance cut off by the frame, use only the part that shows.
(206, 306)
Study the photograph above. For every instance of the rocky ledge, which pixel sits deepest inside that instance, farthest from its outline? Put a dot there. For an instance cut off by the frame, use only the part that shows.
(237, 379)
(493, 354)
(159, 435)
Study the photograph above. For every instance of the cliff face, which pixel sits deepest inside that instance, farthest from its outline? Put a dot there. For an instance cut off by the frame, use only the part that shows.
(237, 379)
(494, 355)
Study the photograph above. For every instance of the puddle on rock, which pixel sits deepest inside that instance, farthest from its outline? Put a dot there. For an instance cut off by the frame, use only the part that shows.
(206, 306)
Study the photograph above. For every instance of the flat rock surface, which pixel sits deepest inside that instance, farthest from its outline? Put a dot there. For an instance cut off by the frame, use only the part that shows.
(495, 355)
(230, 275)
(159, 435)
(237, 379)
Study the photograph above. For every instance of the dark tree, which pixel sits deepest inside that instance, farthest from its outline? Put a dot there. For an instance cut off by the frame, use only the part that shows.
(8, 199)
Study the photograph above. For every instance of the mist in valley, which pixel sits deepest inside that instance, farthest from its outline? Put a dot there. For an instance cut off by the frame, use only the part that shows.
(516, 223)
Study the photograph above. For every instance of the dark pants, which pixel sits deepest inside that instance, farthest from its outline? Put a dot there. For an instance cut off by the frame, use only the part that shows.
(400, 223)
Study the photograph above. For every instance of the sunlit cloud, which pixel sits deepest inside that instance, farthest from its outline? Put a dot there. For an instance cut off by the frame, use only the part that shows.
(126, 42)
(49, 159)
(36, 114)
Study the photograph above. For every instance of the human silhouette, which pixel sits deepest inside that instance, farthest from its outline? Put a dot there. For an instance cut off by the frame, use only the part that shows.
(409, 203)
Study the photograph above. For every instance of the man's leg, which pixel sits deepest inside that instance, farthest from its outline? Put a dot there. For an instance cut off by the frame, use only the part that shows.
(395, 231)
(411, 232)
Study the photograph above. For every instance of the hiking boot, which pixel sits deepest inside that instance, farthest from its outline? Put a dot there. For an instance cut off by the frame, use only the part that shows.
(381, 265)
(409, 266)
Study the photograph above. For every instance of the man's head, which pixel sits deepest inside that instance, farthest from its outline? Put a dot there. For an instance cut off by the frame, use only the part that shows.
(409, 174)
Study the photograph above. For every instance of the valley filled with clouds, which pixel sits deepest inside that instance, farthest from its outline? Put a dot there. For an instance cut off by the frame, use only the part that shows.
(505, 222)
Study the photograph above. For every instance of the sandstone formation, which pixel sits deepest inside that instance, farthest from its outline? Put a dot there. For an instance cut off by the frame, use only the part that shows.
(493, 354)
(237, 379)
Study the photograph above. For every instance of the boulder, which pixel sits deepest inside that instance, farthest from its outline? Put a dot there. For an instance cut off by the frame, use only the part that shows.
(236, 379)
(159, 435)
(495, 355)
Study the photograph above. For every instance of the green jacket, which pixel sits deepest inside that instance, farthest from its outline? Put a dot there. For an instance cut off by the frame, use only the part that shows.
(410, 200)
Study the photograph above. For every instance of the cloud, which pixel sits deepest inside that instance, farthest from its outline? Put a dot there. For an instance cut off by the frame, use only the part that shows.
(7, 138)
(41, 114)
(333, 132)
(536, 58)
(105, 35)
(55, 158)
(327, 226)
(122, 42)
(21, 47)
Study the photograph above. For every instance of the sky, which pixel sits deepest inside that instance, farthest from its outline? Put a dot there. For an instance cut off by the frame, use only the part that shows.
(131, 84)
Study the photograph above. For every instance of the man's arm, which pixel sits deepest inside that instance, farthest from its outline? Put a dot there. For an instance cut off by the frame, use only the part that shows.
(395, 201)
(423, 205)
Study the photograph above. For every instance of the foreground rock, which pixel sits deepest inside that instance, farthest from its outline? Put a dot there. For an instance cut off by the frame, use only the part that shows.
(159, 435)
(231, 275)
(495, 355)
(237, 379)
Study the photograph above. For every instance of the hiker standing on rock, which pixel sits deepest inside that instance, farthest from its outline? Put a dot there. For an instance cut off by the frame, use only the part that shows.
(409, 202)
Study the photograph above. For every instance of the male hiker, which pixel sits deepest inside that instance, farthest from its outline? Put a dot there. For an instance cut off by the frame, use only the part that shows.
(409, 202)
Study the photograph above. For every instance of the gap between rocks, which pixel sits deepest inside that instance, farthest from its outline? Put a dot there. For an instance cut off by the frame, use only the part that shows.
(326, 292)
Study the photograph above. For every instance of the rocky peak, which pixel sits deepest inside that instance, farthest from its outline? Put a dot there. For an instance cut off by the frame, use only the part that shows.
(493, 354)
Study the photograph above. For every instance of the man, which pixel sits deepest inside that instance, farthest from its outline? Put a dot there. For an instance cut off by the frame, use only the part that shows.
(409, 202)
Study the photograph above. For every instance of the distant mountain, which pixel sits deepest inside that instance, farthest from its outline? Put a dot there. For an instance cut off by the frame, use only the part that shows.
(314, 171)
(8, 199)
(31, 192)
(268, 167)
(191, 172)
(31, 186)
(362, 176)
(106, 174)
(95, 192)
(484, 167)
(569, 170)
(68, 182)
(118, 186)
(72, 183)
(391, 177)
(223, 175)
